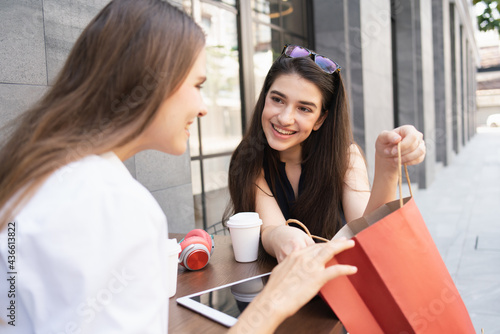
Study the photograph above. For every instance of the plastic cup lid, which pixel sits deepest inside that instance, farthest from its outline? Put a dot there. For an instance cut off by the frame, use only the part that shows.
(173, 248)
(244, 220)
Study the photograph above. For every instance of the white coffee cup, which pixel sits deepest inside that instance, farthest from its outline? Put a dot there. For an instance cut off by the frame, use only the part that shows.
(173, 250)
(244, 228)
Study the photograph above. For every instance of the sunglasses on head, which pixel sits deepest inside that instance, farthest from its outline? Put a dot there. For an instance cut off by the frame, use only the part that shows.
(326, 64)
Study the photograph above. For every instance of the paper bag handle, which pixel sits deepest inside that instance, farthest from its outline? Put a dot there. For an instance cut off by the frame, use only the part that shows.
(400, 179)
(295, 221)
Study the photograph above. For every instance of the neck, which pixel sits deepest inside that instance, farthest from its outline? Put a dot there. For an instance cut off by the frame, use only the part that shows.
(129, 150)
(292, 156)
(122, 154)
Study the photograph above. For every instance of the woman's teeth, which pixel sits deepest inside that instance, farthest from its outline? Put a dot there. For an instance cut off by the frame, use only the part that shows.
(283, 132)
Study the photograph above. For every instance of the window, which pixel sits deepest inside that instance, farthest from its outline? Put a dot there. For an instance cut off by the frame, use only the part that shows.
(215, 136)
(276, 23)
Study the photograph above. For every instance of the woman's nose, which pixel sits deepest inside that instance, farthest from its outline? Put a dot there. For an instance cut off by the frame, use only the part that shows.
(203, 110)
(286, 116)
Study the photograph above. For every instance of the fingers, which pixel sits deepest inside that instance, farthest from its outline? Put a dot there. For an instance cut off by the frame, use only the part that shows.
(413, 148)
(411, 138)
(339, 270)
(310, 261)
(293, 240)
(326, 252)
(389, 137)
(415, 156)
(300, 276)
(386, 144)
(332, 248)
(320, 254)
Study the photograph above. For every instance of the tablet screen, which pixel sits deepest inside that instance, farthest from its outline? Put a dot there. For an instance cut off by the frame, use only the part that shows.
(228, 301)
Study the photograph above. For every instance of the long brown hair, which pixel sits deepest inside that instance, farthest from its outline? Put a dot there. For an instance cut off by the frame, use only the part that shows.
(130, 57)
(325, 153)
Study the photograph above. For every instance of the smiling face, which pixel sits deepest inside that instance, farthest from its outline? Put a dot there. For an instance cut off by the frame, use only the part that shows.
(169, 131)
(291, 112)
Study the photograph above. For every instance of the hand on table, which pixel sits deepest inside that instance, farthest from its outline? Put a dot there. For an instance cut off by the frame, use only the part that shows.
(292, 284)
(287, 239)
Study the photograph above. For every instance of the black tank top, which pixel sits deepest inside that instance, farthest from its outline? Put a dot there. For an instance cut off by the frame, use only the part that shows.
(283, 192)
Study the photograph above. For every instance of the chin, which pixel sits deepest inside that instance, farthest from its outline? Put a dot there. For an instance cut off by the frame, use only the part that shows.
(278, 148)
(176, 150)
(179, 151)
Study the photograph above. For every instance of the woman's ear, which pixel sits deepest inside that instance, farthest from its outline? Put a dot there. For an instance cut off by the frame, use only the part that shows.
(320, 121)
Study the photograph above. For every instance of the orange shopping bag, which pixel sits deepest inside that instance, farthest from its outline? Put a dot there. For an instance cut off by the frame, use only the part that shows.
(402, 284)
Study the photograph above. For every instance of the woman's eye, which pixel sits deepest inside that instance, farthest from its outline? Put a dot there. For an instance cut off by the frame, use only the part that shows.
(304, 109)
(276, 99)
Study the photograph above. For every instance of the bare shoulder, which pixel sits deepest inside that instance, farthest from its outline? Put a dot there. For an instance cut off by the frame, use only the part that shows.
(355, 150)
(356, 157)
(262, 186)
(357, 175)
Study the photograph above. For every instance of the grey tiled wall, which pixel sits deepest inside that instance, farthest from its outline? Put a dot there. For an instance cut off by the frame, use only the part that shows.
(169, 180)
(36, 37)
(22, 51)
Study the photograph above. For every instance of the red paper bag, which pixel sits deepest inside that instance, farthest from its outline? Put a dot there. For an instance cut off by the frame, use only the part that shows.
(402, 284)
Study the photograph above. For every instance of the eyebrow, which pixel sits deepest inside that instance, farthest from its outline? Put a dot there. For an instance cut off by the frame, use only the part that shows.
(307, 103)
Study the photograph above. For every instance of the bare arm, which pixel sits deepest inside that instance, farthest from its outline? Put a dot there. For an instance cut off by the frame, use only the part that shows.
(357, 199)
(278, 239)
(356, 193)
(386, 162)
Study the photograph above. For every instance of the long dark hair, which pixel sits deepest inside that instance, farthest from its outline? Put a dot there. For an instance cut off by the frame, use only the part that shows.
(130, 57)
(325, 153)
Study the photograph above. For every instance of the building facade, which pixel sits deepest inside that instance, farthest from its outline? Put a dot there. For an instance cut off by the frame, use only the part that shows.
(403, 61)
(488, 77)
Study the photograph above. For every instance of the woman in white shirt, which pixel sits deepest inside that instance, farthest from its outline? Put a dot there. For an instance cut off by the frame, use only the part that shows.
(83, 240)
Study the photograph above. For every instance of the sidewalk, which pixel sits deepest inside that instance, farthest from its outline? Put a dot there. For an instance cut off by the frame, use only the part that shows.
(462, 211)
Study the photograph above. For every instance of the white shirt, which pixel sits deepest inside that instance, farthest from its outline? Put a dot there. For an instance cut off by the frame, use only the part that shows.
(90, 255)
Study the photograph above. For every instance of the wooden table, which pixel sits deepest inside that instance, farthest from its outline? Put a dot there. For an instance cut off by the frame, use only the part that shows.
(315, 317)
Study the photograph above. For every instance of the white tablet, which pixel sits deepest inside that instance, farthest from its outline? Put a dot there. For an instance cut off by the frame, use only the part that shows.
(225, 303)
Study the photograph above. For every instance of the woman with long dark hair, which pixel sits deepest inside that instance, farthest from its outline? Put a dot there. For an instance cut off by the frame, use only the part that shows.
(298, 159)
(89, 241)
